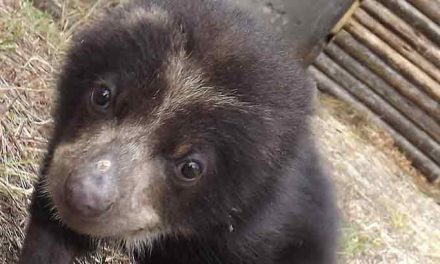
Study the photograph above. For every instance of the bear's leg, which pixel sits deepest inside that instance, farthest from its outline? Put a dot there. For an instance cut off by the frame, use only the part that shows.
(47, 240)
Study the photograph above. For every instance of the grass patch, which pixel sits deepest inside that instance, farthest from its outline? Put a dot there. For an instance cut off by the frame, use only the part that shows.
(26, 21)
(356, 242)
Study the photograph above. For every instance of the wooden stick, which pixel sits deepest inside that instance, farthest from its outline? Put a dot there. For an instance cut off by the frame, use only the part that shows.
(405, 106)
(417, 19)
(357, 50)
(400, 63)
(431, 8)
(397, 43)
(420, 160)
(423, 45)
(378, 105)
(340, 24)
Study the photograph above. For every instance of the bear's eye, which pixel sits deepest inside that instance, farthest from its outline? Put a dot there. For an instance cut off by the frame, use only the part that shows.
(101, 97)
(190, 170)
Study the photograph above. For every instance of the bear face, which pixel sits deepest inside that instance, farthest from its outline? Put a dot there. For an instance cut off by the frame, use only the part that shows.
(169, 124)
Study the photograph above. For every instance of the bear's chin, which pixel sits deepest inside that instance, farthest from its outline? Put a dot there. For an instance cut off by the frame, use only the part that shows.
(112, 227)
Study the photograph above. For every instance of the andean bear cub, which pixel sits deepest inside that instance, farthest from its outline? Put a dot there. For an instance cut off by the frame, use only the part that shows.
(182, 133)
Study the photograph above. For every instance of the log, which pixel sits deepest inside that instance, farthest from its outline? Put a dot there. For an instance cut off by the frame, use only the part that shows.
(430, 170)
(397, 61)
(374, 82)
(378, 105)
(418, 41)
(431, 8)
(415, 18)
(397, 43)
(347, 16)
(357, 50)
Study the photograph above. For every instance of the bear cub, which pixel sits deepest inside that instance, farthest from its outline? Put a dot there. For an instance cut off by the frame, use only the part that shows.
(182, 134)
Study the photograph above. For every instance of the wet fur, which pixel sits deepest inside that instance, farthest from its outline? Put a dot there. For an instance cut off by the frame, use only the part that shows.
(195, 72)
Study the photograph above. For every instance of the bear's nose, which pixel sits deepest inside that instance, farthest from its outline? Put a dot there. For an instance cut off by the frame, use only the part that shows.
(91, 192)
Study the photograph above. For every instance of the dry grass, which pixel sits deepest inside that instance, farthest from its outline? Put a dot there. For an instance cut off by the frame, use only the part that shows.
(387, 219)
(31, 44)
(26, 61)
(379, 138)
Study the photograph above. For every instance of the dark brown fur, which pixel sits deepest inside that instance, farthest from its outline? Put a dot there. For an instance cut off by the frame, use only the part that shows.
(190, 78)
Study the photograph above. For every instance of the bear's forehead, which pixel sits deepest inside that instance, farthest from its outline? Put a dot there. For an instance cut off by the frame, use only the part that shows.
(144, 48)
(133, 43)
(143, 54)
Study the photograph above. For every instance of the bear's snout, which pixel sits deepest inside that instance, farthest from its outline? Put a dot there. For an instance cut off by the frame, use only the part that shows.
(91, 192)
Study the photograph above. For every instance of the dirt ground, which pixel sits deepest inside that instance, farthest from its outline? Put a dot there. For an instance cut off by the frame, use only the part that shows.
(387, 215)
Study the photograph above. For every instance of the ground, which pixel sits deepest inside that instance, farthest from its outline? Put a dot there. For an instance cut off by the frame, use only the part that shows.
(388, 216)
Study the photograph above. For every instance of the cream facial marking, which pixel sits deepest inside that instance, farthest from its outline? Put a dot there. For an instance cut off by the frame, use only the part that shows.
(103, 165)
(188, 87)
(137, 178)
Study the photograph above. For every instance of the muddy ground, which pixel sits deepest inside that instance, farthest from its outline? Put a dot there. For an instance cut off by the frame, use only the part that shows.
(387, 215)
